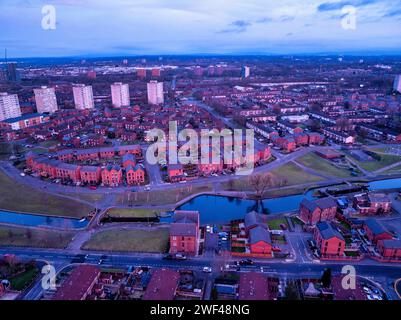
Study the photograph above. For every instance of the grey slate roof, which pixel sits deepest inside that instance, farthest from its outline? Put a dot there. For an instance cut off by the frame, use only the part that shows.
(327, 231)
(259, 234)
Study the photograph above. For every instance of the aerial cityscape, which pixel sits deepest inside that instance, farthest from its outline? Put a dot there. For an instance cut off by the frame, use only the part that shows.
(152, 173)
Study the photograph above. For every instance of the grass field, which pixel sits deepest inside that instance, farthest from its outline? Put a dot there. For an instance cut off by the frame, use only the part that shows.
(386, 160)
(17, 197)
(322, 166)
(23, 280)
(132, 213)
(160, 197)
(294, 174)
(395, 170)
(275, 223)
(154, 241)
(283, 192)
(24, 237)
(89, 197)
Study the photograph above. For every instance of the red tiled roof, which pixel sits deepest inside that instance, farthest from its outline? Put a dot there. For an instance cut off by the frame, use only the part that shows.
(162, 285)
(76, 285)
(253, 286)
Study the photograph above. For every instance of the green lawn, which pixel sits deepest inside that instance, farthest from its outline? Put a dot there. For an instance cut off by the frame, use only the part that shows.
(283, 192)
(132, 213)
(49, 143)
(23, 280)
(89, 197)
(322, 166)
(395, 170)
(294, 174)
(21, 237)
(160, 197)
(17, 197)
(155, 241)
(275, 223)
(386, 160)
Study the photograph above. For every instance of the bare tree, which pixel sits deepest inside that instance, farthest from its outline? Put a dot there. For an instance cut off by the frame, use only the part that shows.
(260, 182)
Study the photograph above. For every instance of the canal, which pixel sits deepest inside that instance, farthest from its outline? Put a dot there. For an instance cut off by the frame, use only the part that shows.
(213, 209)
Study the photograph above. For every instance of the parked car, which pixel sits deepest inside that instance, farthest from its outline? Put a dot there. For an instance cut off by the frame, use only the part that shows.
(246, 262)
(207, 269)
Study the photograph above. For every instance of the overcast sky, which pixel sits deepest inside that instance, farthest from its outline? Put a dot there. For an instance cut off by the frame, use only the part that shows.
(131, 27)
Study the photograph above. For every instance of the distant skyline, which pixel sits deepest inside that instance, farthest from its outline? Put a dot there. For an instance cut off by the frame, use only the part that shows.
(175, 27)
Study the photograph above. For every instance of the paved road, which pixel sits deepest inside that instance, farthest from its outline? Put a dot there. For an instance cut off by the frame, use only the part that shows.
(61, 258)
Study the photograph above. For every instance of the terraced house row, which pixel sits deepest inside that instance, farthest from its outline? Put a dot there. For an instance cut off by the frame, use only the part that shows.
(131, 172)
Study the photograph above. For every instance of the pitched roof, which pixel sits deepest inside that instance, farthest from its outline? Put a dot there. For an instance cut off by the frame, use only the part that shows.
(375, 227)
(129, 157)
(77, 284)
(89, 169)
(327, 231)
(182, 216)
(391, 244)
(259, 234)
(253, 286)
(163, 285)
(183, 229)
(322, 203)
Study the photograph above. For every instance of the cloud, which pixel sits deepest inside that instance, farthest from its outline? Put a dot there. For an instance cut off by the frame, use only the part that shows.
(333, 6)
(264, 20)
(237, 26)
(393, 13)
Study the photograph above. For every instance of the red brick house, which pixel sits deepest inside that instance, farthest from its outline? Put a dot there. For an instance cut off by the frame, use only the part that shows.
(297, 130)
(264, 154)
(86, 154)
(184, 232)
(128, 136)
(45, 167)
(259, 241)
(65, 155)
(133, 149)
(252, 220)
(90, 175)
(285, 143)
(107, 153)
(112, 176)
(175, 172)
(135, 174)
(314, 211)
(372, 203)
(329, 241)
(315, 138)
(209, 168)
(69, 172)
(301, 139)
(375, 231)
(390, 249)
